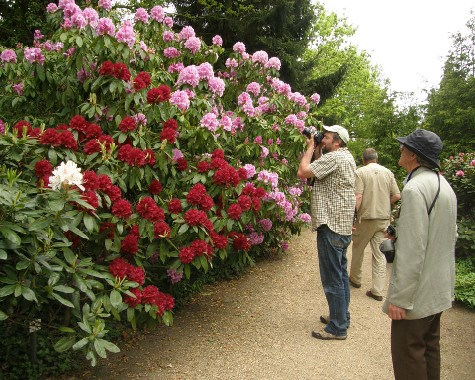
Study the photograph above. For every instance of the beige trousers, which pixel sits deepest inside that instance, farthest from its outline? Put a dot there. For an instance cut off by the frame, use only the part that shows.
(369, 231)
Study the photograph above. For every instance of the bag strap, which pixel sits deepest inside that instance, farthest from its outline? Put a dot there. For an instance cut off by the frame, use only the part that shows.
(436, 195)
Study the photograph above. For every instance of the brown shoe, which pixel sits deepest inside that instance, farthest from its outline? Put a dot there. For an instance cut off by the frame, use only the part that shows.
(327, 336)
(355, 285)
(377, 298)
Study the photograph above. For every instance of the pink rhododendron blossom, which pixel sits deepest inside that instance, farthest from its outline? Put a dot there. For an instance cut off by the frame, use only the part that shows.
(285, 245)
(305, 218)
(291, 119)
(193, 44)
(51, 8)
(459, 173)
(216, 85)
(265, 152)
(78, 20)
(34, 55)
(472, 163)
(18, 88)
(239, 47)
(186, 33)
(171, 52)
(315, 98)
(157, 13)
(226, 122)
(217, 40)
(175, 67)
(258, 140)
(295, 191)
(174, 276)
(168, 36)
(168, 21)
(37, 35)
(180, 99)
(273, 63)
(244, 98)
(266, 224)
(255, 238)
(91, 17)
(2, 127)
(268, 177)
(210, 122)
(254, 88)
(189, 75)
(105, 26)
(177, 154)
(140, 119)
(260, 57)
(231, 62)
(205, 70)
(105, 4)
(126, 34)
(8, 55)
(141, 15)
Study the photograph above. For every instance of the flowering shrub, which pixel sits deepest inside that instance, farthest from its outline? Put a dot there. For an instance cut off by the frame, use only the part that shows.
(460, 172)
(128, 163)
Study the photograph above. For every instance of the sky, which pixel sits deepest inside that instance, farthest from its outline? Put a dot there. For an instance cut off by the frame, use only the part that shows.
(408, 39)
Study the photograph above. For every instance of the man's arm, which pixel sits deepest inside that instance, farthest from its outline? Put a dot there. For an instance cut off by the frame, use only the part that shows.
(304, 170)
(359, 199)
(394, 198)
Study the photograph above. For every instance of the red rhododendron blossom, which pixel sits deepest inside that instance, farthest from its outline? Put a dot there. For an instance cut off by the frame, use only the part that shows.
(122, 209)
(201, 248)
(206, 203)
(149, 156)
(218, 163)
(219, 241)
(105, 182)
(134, 230)
(168, 134)
(127, 124)
(186, 255)
(68, 140)
(44, 168)
(245, 202)
(165, 303)
(203, 166)
(196, 194)
(107, 68)
(155, 187)
(50, 137)
(240, 241)
(171, 123)
(131, 156)
(174, 206)
(90, 180)
(256, 203)
(121, 71)
(141, 81)
(136, 274)
(114, 193)
(150, 294)
(158, 94)
(260, 192)
(242, 173)
(21, 126)
(43, 183)
(182, 164)
(218, 153)
(129, 244)
(78, 123)
(235, 211)
(119, 267)
(148, 209)
(131, 301)
(93, 131)
(161, 230)
(91, 198)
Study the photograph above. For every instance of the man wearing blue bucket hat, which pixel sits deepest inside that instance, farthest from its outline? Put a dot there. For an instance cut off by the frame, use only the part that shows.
(423, 274)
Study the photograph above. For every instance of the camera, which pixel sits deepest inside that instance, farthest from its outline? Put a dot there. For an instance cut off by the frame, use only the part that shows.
(391, 230)
(317, 136)
(387, 246)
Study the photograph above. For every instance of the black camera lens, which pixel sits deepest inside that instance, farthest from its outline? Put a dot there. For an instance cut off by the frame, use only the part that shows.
(317, 136)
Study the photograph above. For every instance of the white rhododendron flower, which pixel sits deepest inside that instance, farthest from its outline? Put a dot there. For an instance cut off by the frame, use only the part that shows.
(66, 173)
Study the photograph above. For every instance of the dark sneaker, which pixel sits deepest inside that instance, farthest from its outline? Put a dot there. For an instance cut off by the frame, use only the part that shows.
(373, 296)
(327, 336)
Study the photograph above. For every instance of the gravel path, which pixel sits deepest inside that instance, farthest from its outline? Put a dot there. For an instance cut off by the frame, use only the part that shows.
(258, 327)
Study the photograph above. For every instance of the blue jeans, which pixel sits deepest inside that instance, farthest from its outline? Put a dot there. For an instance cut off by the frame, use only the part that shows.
(334, 275)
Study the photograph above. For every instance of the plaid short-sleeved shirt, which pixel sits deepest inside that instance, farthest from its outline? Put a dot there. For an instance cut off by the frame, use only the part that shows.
(333, 194)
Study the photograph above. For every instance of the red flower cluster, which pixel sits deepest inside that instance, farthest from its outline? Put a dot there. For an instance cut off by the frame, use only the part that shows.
(186, 255)
(122, 208)
(23, 125)
(197, 248)
(158, 94)
(118, 70)
(182, 164)
(131, 301)
(155, 187)
(245, 202)
(94, 146)
(91, 198)
(174, 206)
(161, 230)
(148, 209)
(54, 137)
(198, 218)
(43, 168)
(141, 81)
(240, 241)
(135, 156)
(170, 131)
(127, 124)
(219, 241)
(108, 229)
(152, 296)
(90, 180)
(235, 211)
(255, 194)
(130, 244)
(120, 268)
(106, 186)
(197, 196)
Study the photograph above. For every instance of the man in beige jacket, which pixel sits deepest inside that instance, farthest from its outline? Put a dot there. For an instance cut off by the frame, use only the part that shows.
(423, 273)
(376, 192)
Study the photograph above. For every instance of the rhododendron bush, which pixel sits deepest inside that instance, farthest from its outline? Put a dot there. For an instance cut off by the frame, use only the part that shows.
(129, 163)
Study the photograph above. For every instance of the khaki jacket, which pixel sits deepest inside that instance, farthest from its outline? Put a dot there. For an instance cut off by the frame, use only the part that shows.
(423, 273)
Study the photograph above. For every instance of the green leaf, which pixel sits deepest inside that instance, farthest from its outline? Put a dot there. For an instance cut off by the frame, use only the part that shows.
(64, 343)
(116, 298)
(63, 289)
(109, 346)
(80, 344)
(3, 316)
(40, 224)
(79, 41)
(89, 222)
(64, 301)
(28, 294)
(99, 347)
(7, 290)
(22, 265)
(183, 229)
(3, 255)
(10, 235)
(56, 205)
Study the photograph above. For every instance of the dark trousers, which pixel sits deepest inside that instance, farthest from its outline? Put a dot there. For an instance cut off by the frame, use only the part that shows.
(415, 348)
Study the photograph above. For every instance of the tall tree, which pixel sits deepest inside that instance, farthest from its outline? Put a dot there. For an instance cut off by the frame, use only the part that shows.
(282, 28)
(450, 109)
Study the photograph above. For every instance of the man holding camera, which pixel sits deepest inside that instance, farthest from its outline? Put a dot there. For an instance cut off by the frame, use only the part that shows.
(332, 206)
(376, 191)
(423, 273)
